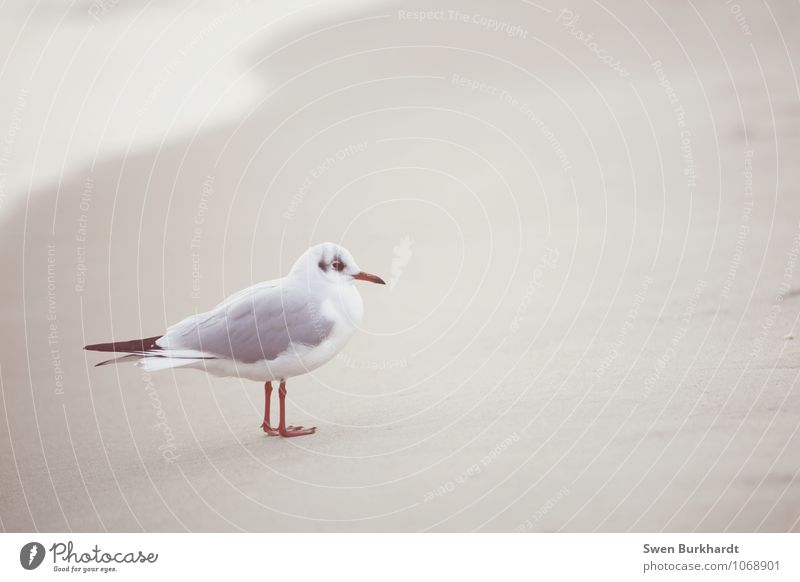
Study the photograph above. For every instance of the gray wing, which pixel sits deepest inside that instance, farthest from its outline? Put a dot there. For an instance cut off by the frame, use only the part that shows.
(255, 324)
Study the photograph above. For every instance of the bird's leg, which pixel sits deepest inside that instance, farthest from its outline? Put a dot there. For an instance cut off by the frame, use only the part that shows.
(267, 398)
(289, 431)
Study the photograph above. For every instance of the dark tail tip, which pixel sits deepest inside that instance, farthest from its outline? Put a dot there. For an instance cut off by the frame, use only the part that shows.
(137, 345)
(108, 347)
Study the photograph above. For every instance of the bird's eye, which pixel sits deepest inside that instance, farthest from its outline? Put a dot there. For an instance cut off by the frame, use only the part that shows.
(338, 265)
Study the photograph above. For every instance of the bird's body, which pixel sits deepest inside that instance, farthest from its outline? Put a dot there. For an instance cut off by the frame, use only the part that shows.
(271, 331)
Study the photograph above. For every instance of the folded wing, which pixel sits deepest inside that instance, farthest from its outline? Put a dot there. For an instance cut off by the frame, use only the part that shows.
(259, 323)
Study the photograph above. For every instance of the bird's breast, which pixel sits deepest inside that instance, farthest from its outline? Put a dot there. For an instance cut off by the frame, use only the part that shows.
(344, 310)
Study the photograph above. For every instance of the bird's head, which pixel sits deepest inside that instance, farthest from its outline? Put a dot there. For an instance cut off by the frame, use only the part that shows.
(333, 263)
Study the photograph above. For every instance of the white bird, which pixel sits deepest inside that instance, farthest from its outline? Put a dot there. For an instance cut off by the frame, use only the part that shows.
(271, 331)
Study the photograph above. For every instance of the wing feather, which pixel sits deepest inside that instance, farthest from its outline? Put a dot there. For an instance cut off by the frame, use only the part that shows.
(258, 323)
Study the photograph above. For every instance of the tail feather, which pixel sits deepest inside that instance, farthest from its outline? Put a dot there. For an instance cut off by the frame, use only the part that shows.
(138, 345)
(149, 355)
(118, 360)
(156, 364)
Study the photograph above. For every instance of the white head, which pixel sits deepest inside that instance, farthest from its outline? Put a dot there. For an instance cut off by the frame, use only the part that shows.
(333, 263)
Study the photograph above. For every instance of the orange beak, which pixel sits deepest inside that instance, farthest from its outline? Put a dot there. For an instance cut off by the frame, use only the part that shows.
(362, 276)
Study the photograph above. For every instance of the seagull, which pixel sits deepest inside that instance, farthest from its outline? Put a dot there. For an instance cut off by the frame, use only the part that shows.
(269, 332)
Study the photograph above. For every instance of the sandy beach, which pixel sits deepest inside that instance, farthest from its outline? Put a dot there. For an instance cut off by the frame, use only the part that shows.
(588, 217)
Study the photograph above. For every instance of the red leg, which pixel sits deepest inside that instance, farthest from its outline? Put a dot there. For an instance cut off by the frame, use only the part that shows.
(267, 398)
(289, 431)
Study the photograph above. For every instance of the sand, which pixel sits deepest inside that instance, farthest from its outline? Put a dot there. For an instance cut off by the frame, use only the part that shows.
(592, 246)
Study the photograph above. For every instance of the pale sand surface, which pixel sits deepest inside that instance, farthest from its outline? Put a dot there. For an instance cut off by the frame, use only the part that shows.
(585, 332)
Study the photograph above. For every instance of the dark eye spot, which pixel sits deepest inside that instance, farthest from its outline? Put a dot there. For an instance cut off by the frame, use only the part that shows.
(338, 265)
(322, 265)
